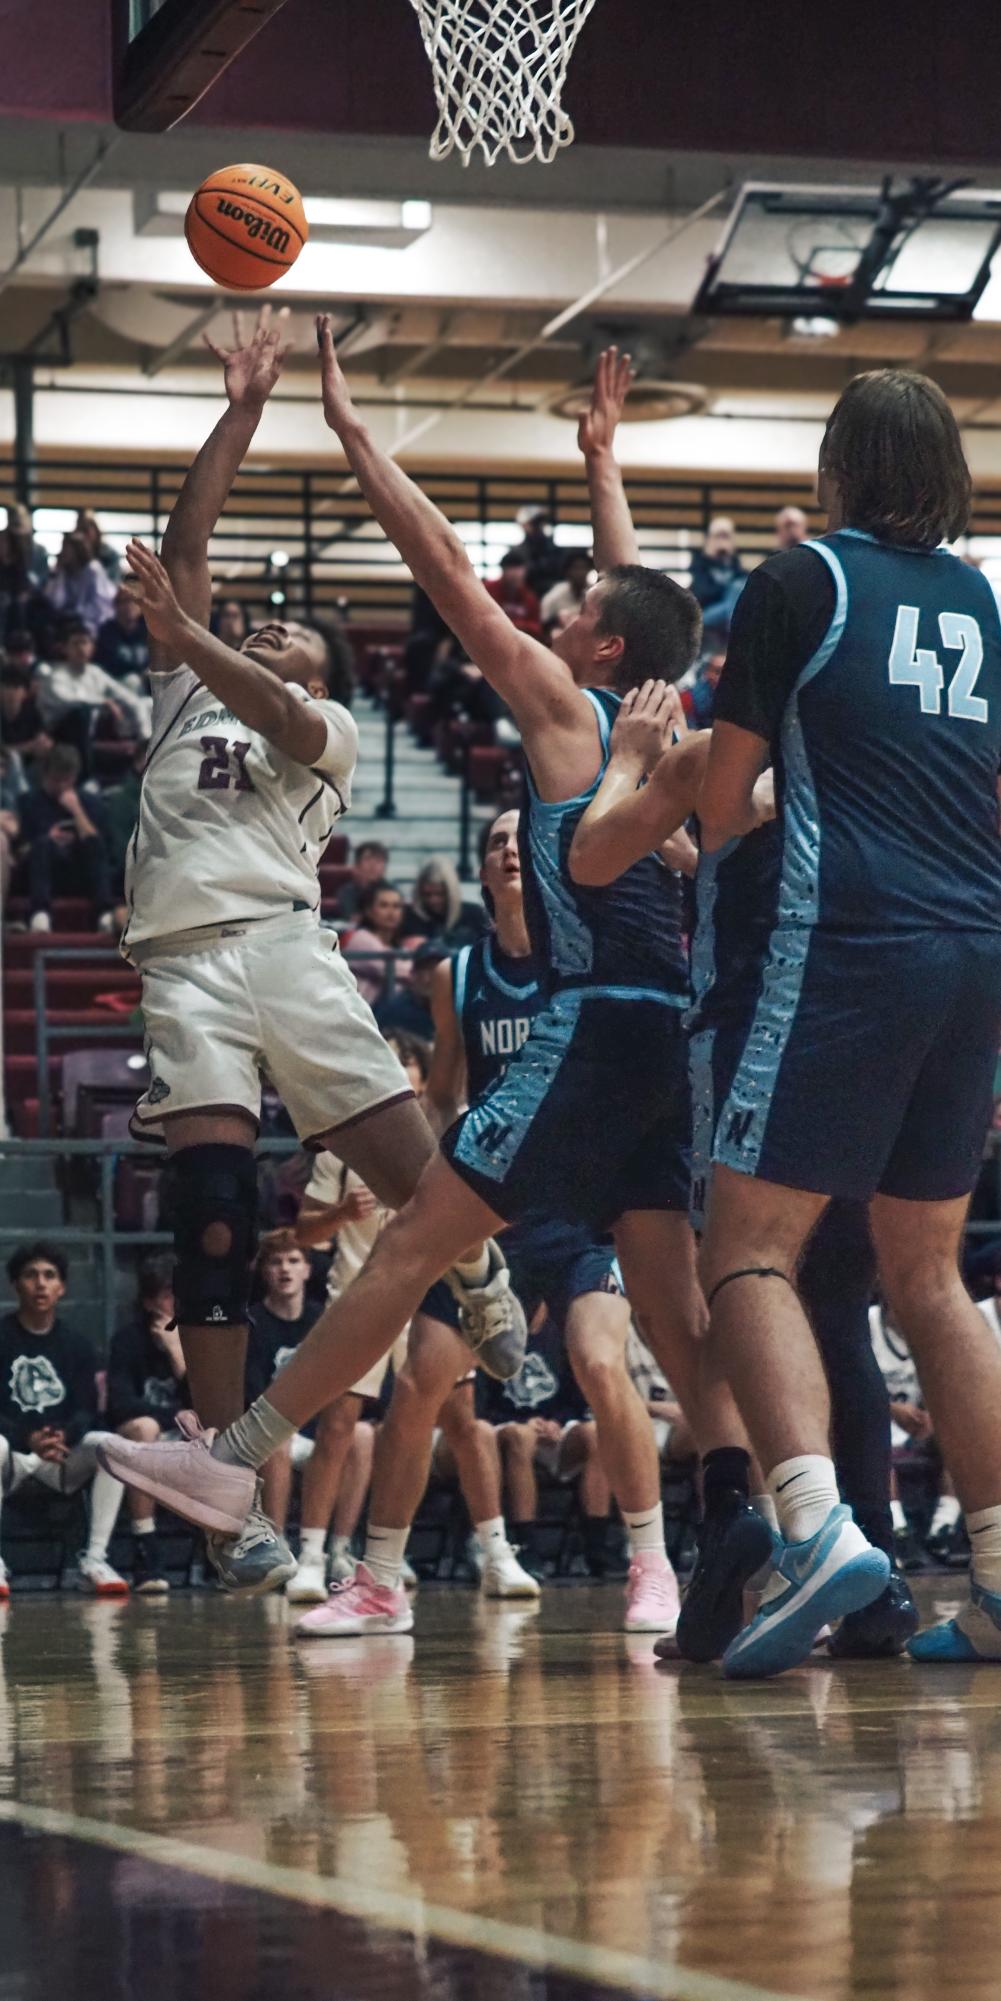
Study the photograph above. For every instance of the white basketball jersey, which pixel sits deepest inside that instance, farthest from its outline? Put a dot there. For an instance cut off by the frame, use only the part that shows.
(228, 826)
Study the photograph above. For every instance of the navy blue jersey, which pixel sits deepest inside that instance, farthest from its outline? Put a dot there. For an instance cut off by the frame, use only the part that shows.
(886, 738)
(496, 1001)
(736, 900)
(622, 938)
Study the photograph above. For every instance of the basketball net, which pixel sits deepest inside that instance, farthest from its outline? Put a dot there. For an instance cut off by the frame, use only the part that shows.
(499, 67)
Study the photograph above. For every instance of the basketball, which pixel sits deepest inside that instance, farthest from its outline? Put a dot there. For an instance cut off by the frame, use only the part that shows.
(245, 226)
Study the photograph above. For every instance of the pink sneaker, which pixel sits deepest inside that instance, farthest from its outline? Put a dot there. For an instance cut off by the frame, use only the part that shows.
(652, 1602)
(360, 1606)
(182, 1474)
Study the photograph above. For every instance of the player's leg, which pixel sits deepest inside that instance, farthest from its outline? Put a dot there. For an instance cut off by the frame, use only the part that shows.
(276, 1486)
(579, 1458)
(761, 1343)
(81, 1468)
(959, 1364)
(473, 1446)
(212, 1193)
(837, 1278)
(351, 1497)
(596, 1326)
(517, 1446)
(148, 1575)
(321, 1481)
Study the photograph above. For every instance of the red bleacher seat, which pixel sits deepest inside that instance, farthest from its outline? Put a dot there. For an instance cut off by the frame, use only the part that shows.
(487, 764)
(19, 947)
(70, 986)
(21, 1076)
(20, 1027)
(338, 849)
(69, 913)
(418, 713)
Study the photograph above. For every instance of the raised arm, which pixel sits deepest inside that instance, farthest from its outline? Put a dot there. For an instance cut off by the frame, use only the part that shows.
(538, 689)
(627, 818)
(251, 369)
(446, 1085)
(276, 709)
(614, 533)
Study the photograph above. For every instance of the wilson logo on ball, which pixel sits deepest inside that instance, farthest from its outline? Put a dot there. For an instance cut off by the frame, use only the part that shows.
(245, 225)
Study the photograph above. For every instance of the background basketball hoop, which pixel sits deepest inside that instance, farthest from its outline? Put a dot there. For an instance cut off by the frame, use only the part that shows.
(499, 67)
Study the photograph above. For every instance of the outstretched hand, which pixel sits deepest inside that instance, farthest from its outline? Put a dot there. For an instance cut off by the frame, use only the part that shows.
(153, 592)
(252, 367)
(337, 404)
(613, 379)
(647, 723)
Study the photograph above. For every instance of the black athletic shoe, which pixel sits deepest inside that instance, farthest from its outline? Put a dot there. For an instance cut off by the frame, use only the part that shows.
(950, 1548)
(734, 1544)
(147, 1568)
(881, 1629)
(908, 1554)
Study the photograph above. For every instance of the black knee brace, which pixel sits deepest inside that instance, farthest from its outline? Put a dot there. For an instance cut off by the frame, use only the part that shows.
(749, 1271)
(212, 1196)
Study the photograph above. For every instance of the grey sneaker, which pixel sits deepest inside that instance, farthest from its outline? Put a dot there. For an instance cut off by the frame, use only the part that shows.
(491, 1318)
(255, 1561)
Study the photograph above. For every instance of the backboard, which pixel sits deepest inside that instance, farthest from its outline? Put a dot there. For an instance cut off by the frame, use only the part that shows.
(922, 251)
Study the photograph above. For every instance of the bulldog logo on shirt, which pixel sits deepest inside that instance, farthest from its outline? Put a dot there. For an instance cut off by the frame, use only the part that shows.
(34, 1384)
(534, 1384)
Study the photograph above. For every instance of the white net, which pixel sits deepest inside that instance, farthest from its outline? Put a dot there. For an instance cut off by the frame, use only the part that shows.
(499, 67)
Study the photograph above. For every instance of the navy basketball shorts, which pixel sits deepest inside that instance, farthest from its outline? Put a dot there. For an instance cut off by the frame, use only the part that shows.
(591, 1119)
(869, 1065)
(552, 1265)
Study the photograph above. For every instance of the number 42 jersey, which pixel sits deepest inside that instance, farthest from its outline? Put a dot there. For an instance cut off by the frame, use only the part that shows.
(228, 827)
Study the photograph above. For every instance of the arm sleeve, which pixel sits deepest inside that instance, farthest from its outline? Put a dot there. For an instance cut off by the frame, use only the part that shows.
(779, 621)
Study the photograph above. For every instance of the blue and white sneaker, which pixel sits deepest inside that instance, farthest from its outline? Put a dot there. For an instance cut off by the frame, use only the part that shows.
(973, 1635)
(814, 1582)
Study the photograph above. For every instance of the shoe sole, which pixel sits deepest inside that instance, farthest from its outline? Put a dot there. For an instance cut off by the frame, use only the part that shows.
(720, 1621)
(105, 1590)
(305, 1597)
(201, 1514)
(156, 1588)
(861, 1580)
(271, 1581)
(375, 1624)
(518, 1591)
(661, 1626)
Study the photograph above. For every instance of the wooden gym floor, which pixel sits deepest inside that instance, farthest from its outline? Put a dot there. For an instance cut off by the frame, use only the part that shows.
(513, 1805)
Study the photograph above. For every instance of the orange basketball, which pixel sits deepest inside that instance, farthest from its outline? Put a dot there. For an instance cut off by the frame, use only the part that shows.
(245, 226)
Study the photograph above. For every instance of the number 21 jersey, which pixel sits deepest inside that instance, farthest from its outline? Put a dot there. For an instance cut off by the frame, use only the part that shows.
(229, 827)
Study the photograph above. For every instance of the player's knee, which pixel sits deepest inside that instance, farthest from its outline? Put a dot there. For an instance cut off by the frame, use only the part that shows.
(458, 1423)
(601, 1375)
(517, 1441)
(213, 1200)
(143, 1430)
(338, 1421)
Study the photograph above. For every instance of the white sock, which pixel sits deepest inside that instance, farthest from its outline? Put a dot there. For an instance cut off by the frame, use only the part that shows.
(106, 1495)
(145, 1526)
(477, 1271)
(311, 1543)
(384, 1553)
(340, 1545)
(947, 1513)
(984, 1531)
(897, 1515)
(804, 1490)
(765, 1507)
(492, 1535)
(254, 1437)
(645, 1529)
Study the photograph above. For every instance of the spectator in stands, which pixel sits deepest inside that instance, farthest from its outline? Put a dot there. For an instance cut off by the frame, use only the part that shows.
(414, 1052)
(22, 651)
(791, 527)
(123, 644)
(564, 600)
(380, 929)
(63, 845)
(147, 1386)
(13, 785)
(541, 559)
(99, 551)
(79, 698)
(512, 591)
(405, 1015)
(48, 1409)
(718, 576)
(700, 698)
(436, 909)
(278, 1323)
(543, 1422)
(80, 586)
(24, 567)
(428, 631)
(912, 1439)
(20, 714)
(369, 865)
(229, 623)
(119, 809)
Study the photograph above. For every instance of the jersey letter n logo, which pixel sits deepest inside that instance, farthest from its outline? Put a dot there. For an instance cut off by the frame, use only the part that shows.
(738, 1127)
(493, 1135)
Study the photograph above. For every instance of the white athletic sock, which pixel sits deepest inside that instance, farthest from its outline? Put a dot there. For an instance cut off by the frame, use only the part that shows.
(106, 1495)
(645, 1529)
(311, 1543)
(477, 1271)
(984, 1531)
(384, 1553)
(146, 1526)
(340, 1545)
(897, 1515)
(252, 1439)
(804, 1490)
(947, 1513)
(492, 1535)
(765, 1507)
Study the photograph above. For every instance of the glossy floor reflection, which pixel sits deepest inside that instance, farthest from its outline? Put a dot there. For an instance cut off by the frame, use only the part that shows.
(513, 1803)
